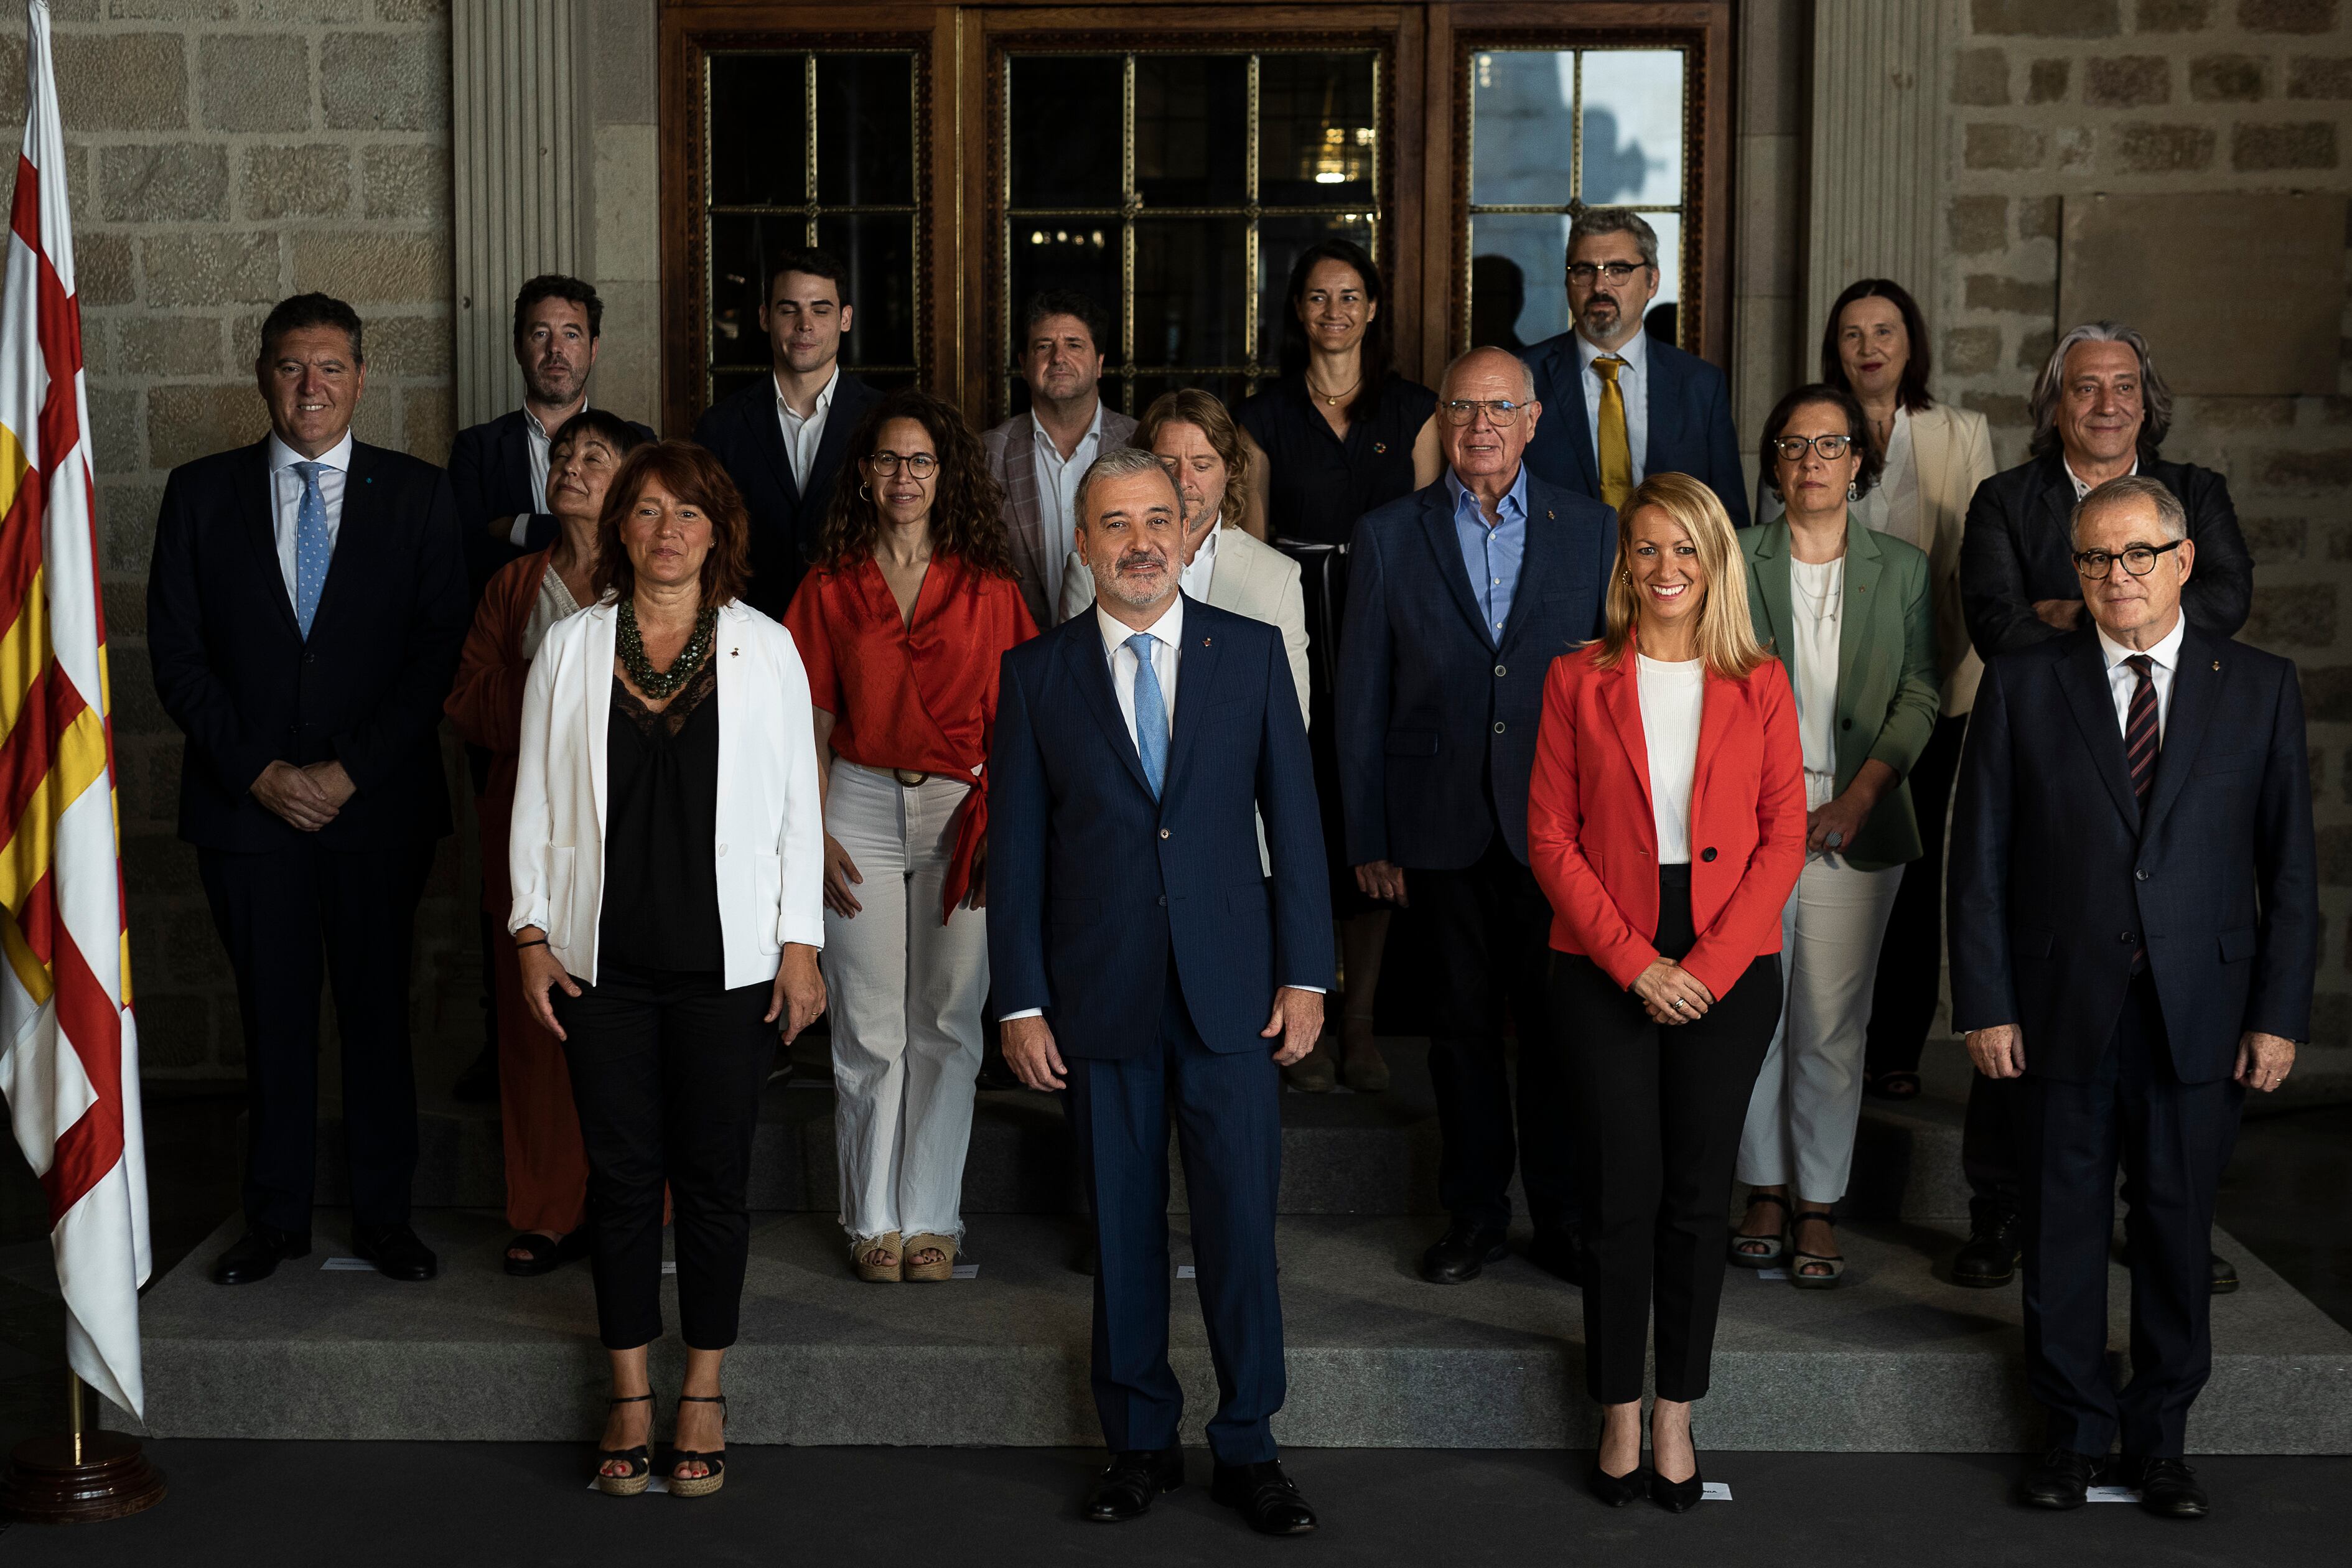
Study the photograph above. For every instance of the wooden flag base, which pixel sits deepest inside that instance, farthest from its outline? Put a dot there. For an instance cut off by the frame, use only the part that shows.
(59, 1480)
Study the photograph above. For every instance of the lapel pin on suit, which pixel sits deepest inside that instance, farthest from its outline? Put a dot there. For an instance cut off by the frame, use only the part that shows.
(2217, 666)
(1380, 448)
(1206, 641)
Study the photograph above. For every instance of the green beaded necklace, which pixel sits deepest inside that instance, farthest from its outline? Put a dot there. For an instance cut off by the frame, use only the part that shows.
(660, 684)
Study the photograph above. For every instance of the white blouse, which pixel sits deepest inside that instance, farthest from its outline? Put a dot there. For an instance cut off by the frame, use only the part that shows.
(1673, 698)
(1817, 603)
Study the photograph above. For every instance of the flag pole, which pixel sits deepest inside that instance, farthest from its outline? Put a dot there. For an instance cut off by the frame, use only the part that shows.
(81, 1476)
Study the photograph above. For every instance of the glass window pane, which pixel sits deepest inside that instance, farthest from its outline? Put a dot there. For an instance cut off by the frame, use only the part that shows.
(1523, 104)
(1316, 129)
(1632, 127)
(1670, 273)
(759, 130)
(1279, 242)
(1066, 113)
(880, 255)
(741, 246)
(1191, 129)
(1065, 252)
(865, 130)
(1189, 291)
(1517, 295)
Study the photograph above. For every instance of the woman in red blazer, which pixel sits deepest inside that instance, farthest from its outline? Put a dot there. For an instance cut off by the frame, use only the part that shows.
(1666, 824)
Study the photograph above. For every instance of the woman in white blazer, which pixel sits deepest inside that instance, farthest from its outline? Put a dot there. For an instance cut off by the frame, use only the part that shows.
(667, 860)
(1875, 346)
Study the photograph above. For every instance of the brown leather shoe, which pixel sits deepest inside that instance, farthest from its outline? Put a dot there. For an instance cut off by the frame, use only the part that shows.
(1365, 1071)
(1313, 1073)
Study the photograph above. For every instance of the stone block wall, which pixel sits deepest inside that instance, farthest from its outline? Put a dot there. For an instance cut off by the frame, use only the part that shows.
(222, 154)
(2053, 98)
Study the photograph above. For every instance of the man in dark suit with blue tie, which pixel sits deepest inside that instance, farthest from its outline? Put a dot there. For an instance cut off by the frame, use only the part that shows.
(1625, 405)
(2135, 925)
(1459, 598)
(783, 436)
(305, 608)
(1142, 960)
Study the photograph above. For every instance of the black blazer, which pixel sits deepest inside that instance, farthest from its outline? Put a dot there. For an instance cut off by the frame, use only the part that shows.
(490, 473)
(1690, 422)
(234, 673)
(1435, 719)
(2019, 547)
(2056, 881)
(742, 431)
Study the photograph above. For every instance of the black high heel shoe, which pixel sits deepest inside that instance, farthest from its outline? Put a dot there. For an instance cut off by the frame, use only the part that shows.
(1614, 1490)
(639, 1459)
(1676, 1497)
(699, 1485)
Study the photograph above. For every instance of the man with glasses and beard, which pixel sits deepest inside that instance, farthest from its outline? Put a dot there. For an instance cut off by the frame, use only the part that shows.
(1624, 404)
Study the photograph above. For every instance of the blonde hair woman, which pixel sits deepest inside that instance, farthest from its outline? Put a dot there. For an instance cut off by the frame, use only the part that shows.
(1666, 825)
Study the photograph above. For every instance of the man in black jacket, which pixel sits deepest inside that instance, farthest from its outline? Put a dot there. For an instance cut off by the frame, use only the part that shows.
(2135, 923)
(305, 609)
(2100, 411)
(783, 436)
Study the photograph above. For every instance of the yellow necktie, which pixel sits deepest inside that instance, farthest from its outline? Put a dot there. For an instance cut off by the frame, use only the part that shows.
(1616, 451)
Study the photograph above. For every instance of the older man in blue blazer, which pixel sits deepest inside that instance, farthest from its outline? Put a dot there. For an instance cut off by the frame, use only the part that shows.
(1459, 598)
(1143, 961)
(1624, 405)
(2135, 923)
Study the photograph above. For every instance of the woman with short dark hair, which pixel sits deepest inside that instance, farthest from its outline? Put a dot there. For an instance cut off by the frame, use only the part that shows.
(666, 856)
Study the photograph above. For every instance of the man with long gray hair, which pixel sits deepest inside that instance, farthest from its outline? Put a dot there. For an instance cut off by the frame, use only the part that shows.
(2100, 410)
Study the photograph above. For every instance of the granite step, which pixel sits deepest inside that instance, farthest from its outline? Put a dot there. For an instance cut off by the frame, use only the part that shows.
(1894, 1360)
(1343, 1154)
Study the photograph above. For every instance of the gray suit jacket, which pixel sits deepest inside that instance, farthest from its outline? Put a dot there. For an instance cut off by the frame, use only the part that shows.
(1010, 451)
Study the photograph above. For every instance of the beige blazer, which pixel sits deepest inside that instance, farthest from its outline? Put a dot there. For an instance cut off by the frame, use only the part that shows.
(1010, 451)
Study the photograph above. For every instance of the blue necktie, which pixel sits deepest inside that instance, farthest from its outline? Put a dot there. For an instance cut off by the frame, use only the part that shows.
(1150, 714)
(313, 547)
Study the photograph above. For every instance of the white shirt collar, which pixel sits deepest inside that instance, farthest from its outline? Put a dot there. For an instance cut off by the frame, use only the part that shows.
(337, 457)
(1208, 550)
(2081, 488)
(1094, 431)
(823, 398)
(2166, 653)
(1634, 350)
(1169, 628)
(532, 423)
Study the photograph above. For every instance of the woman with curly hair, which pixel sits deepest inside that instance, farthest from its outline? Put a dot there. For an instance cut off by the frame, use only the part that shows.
(900, 624)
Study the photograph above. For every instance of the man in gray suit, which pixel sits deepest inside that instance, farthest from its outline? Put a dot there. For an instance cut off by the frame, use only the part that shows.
(1039, 455)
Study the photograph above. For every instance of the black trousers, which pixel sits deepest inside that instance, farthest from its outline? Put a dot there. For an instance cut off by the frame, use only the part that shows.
(666, 1070)
(1989, 1146)
(2173, 1140)
(1658, 1114)
(1911, 959)
(1226, 1108)
(293, 920)
(1486, 927)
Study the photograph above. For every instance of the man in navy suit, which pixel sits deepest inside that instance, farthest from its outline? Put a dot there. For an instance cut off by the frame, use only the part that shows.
(1143, 961)
(1625, 405)
(782, 436)
(2134, 924)
(1459, 598)
(304, 612)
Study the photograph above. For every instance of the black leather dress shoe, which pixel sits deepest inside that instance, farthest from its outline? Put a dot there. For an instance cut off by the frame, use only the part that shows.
(2166, 1487)
(1556, 1252)
(256, 1254)
(1266, 1497)
(1462, 1254)
(1125, 1489)
(2061, 1478)
(395, 1252)
(1990, 1254)
(2225, 1274)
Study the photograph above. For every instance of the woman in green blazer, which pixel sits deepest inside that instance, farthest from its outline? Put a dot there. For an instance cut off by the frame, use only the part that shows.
(1851, 613)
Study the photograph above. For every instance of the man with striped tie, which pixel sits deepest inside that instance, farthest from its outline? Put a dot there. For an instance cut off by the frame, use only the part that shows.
(2135, 923)
(305, 608)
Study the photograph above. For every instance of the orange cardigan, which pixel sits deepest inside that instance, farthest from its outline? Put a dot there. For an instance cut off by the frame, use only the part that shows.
(485, 706)
(1592, 841)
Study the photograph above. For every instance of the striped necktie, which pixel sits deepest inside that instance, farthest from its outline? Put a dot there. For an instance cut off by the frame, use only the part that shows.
(2141, 742)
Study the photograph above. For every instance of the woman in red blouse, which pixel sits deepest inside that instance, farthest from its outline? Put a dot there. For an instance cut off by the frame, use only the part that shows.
(901, 623)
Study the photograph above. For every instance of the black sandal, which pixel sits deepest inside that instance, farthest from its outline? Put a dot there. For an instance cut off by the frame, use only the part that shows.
(1779, 1243)
(639, 1459)
(546, 1256)
(1892, 1085)
(699, 1485)
(1833, 1262)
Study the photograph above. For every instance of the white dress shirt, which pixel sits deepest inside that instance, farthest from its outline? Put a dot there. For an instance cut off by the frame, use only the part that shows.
(1058, 494)
(1194, 579)
(538, 440)
(1674, 700)
(2123, 680)
(285, 498)
(803, 436)
(2082, 486)
(1167, 636)
(1816, 604)
(1633, 382)
(1893, 504)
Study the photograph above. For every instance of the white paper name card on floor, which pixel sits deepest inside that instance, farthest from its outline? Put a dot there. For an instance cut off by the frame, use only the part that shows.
(1184, 1271)
(2109, 1494)
(669, 1265)
(1715, 1492)
(1771, 1274)
(967, 1270)
(347, 1265)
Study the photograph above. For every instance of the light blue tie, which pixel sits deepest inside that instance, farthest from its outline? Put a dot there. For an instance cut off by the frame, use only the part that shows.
(313, 547)
(1150, 714)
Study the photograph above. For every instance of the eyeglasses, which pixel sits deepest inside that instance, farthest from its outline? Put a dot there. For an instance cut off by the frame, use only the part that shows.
(1615, 271)
(1792, 449)
(922, 465)
(1501, 412)
(2139, 560)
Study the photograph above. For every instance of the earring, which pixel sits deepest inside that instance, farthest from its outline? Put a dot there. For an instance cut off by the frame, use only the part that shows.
(1853, 492)
(864, 493)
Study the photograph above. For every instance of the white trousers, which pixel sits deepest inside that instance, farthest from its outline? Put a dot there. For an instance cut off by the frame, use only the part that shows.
(1801, 1117)
(905, 994)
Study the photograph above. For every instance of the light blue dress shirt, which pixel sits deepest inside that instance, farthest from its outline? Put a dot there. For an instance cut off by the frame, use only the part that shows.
(1492, 554)
(1633, 382)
